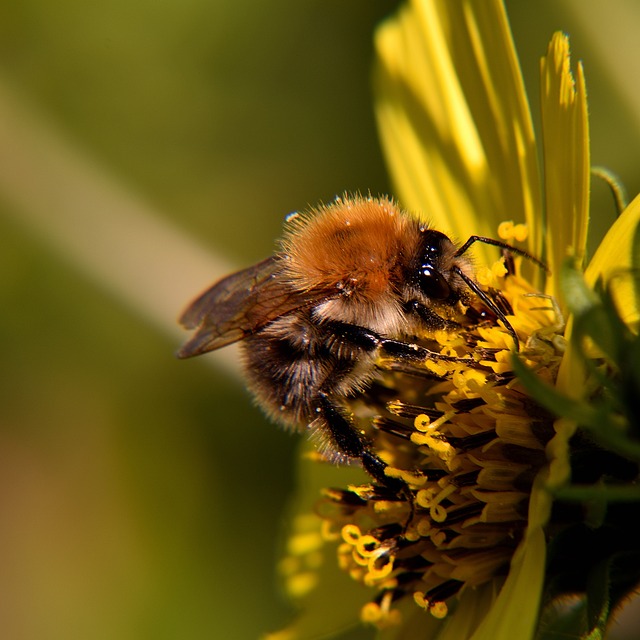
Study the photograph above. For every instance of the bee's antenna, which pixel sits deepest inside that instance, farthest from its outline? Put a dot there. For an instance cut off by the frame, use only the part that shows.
(489, 302)
(503, 245)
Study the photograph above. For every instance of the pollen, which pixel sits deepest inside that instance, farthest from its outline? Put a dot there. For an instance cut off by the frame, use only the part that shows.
(467, 441)
(381, 614)
(507, 231)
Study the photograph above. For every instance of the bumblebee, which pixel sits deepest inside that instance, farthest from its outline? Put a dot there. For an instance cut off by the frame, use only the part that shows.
(354, 283)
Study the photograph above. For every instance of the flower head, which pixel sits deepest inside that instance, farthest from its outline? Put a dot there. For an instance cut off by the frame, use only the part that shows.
(473, 441)
(482, 440)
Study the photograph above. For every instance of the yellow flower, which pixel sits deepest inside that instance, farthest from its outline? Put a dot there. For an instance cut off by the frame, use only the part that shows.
(469, 543)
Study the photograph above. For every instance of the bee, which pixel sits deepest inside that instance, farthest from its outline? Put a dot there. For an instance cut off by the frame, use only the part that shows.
(353, 282)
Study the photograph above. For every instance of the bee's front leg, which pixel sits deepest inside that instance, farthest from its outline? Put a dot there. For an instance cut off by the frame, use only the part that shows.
(369, 341)
(429, 317)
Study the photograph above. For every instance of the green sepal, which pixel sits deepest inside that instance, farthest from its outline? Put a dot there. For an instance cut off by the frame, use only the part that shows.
(600, 565)
(598, 599)
(594, 314)
(560, 623)
(603, 425)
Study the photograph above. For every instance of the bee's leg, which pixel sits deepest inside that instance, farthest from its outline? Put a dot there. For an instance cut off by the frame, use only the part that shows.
(430, 319)
(486, 298)
(349, 442)
(370, 341)
(339, 432)
(353, 444)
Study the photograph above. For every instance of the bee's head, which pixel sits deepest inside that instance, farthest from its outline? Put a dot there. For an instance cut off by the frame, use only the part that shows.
(431, 271)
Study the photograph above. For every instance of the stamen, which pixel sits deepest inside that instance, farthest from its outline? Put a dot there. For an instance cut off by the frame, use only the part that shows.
(463, 513)
(392, 427)
(467, 443)
(403, 410)
(434, 600)
(468, 404)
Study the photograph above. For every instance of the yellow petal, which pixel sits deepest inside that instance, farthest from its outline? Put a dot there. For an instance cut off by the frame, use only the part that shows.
(613, 262)
(515, 612)
(566, 155)
(470, 612)
(454, 119)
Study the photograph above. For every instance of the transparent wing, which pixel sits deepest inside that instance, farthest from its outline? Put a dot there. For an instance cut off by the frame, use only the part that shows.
(238, 306)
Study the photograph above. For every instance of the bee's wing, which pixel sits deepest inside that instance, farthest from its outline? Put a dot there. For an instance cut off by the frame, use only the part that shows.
(238, 306)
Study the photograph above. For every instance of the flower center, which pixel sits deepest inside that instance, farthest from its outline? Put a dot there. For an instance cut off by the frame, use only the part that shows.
(468, 442)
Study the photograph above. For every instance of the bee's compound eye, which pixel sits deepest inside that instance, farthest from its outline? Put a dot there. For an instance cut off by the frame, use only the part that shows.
(432, 283)
(429, 278)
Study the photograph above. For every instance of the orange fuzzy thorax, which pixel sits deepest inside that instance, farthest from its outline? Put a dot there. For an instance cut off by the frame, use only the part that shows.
(356, 244)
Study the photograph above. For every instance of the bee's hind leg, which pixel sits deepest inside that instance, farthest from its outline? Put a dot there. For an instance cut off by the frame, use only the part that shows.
(340, 436)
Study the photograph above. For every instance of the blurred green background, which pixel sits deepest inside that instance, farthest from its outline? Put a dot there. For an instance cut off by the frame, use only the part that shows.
(142, 497)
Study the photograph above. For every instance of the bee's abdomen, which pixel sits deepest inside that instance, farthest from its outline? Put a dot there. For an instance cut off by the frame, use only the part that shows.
(290, 362)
